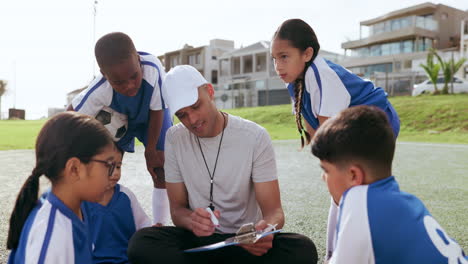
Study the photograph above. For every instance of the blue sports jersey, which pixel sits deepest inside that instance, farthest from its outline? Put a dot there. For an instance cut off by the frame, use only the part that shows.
(111, 226)
(136, 108)
(378, 223)
(330, 88)
(53, 234)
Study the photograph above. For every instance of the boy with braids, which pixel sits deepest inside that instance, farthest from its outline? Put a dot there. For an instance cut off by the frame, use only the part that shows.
(131, 84)
(224, 162)
(375, 221)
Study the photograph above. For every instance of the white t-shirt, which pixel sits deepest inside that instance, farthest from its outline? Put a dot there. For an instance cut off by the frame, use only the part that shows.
(246, 156)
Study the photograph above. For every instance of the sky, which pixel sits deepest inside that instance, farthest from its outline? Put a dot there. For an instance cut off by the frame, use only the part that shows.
(46, 47)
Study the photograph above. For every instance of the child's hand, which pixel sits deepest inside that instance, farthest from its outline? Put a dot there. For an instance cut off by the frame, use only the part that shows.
(264, 244)
(201, 222)
(155, 160)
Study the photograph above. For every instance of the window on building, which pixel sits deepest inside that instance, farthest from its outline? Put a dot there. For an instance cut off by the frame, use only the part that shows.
(405, 22)
(250, 85)
(174, 61)
(375, 50)
(260, 61)
(385, 49)
(378, 28)
(395, 48)
(260, 85)
(407, 64)
(214, 77)
(248, 64)
(387, 26)
(424, 44)
(235, 65)
(396, 24)
(239, 100)
(426, 22)
(407, 46)
(213, 57)
(427, 43)
(397, 66)
(224, 67)
(192, 59)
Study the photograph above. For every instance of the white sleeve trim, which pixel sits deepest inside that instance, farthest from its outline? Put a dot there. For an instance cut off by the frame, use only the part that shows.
(353, 240)
(92, 99)
(331, 228)
(61, 246)
(141, 218)
(154, 76)
(333, 97)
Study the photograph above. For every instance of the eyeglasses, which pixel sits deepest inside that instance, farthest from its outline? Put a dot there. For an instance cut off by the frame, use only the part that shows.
(111, 165)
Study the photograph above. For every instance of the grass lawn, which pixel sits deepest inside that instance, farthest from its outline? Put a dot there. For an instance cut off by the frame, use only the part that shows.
(437, 119)
(19, 134)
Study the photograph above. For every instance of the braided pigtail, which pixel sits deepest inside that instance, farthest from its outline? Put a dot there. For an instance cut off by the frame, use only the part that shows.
(298, 92)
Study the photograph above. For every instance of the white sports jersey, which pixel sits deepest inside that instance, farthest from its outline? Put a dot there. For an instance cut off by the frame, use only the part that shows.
(137, 108)
(100, 93)
(378, 223)
(330, 88)
(53, 234)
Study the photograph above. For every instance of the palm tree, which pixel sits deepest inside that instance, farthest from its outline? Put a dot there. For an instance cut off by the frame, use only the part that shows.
(3, 85)
(454, 66)
(449, 68)
(432, 69)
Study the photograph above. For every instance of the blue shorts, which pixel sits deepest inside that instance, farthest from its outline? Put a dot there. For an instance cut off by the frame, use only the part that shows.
(127, 143)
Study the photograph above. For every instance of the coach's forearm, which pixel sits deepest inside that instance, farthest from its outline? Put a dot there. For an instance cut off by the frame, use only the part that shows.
(181, 217)
(275, 217)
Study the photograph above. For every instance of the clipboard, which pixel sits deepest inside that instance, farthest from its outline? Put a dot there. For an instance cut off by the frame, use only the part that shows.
(245, 235)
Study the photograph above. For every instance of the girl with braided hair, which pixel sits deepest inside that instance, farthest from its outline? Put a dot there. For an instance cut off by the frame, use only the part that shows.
(320, 88)
(76, 153)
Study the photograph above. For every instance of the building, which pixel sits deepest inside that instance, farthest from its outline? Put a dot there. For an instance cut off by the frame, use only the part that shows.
(247, 77)
(203, 58)
(392, 45)
(14, 113)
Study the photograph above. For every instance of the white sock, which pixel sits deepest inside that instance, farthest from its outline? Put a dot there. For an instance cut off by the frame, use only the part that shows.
(161, 211)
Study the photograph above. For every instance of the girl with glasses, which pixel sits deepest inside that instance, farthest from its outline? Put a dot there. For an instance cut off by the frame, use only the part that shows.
(55, 229)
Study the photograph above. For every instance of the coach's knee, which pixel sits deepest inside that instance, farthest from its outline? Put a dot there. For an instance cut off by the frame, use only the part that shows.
(138, 246)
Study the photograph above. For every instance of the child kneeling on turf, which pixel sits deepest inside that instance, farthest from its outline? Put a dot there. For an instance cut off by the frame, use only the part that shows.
(114, 219)
(371, 220)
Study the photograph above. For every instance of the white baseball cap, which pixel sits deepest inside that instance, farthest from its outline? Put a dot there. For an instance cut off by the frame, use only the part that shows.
(180, 88)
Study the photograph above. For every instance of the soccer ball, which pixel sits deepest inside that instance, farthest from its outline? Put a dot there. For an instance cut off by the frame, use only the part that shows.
(115, 122)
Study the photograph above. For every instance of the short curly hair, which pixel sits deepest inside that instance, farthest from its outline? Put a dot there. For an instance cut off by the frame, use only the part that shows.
(113, 48)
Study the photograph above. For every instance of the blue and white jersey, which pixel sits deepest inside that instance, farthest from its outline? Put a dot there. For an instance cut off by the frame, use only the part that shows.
(53, 234)
(113, 225)
(378, 223)
(330, 88)
(100, 93)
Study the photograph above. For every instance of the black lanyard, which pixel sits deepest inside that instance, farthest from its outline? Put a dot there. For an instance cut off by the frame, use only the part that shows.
(216, 162)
